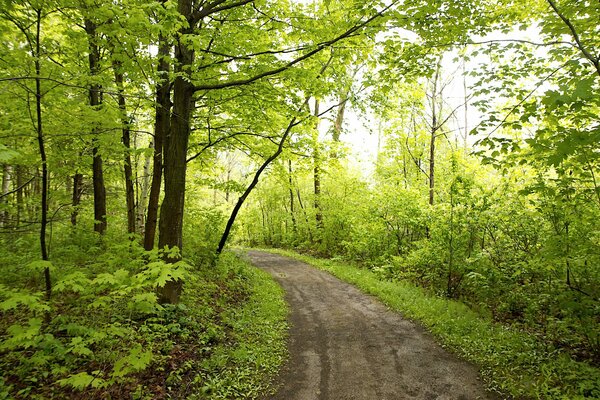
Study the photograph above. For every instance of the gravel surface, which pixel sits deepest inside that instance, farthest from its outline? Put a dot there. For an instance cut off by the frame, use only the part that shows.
(347, 345)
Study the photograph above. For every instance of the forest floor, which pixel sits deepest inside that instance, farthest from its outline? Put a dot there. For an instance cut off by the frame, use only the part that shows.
(347, 345)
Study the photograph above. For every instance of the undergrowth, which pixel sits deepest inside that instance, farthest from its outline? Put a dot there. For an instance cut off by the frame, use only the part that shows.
(513, 363)
(103, 334)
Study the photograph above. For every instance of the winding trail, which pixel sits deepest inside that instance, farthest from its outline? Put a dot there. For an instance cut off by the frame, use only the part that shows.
(347, 345)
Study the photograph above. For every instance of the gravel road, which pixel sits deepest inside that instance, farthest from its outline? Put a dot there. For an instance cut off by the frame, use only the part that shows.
(346, 345)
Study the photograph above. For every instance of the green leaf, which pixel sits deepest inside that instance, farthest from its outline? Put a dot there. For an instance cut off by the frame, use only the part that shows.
(82, 381)
(78, 346)
(31, 301)
(137, 360)
(7, 155)
(22, 336)
(40, 265)
(145, 303)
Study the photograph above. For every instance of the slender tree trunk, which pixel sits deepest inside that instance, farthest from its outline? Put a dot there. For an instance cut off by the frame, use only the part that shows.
(95, 99)
(255, 181)
(466, 106)
(6, 181)
(292, 206)
(76, 197)
(339, 119)
(317, 175)
(144, 187)
(309, 231)
(126, 139)
(432, 168)
(20, 185)
(162, 125)
(434, 129)
(42, 149)
(339, 123)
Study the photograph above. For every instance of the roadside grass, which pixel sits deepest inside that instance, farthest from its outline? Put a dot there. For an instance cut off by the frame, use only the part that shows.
(244, 366)
(512, 363)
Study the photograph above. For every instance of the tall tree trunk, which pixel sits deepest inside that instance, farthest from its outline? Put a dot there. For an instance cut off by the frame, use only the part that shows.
(292, 207)
(309, 231)
(317, 175)
(6, 181)
(142, 197)
(42, 149)
(76, 197)
(162, 125)
(434, 130)
(126, 139)
(339, 123)
(20, 185)
(432, 168)
(175, 156)
(339, 118)
(95, 99)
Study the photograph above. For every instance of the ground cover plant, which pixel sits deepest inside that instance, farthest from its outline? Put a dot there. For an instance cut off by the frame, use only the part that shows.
(103, 334)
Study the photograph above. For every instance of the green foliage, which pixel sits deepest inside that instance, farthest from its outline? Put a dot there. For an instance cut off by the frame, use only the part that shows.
(104, 333)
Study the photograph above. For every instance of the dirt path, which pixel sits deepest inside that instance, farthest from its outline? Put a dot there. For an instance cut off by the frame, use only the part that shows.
(347, 345)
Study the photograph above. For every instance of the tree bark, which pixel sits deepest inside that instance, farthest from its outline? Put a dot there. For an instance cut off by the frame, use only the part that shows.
(434, 129)
(292, 206)
(42, 149)
(126, 139)
(175, 156)
(142, 196)
(20, 185)
(95, 100)
(162, 125)
(76, 196)
(317, 175)
(6, 180)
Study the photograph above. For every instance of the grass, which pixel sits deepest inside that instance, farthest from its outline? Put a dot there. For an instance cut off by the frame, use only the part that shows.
(243, 368)
(512, 363)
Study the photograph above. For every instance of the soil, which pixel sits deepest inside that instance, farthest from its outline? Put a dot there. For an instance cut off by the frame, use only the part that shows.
(346, 345)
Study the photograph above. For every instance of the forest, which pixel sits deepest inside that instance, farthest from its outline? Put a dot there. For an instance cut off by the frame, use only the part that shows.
(452, 145)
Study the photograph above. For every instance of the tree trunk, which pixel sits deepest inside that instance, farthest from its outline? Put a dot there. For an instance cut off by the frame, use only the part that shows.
(20, 184)
(175, 156)
(142, 197)
(317, 175)
(95, 99)
(292, 207)
(126, 139)
(432, 167)
(6, 180)
(161, 127)
(42, 149)
(434, 129)
(76, 198)
(255, 181)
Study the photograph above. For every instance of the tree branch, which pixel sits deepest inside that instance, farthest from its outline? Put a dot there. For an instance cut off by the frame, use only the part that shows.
(213, 8)
(320, 47)
(594, 60)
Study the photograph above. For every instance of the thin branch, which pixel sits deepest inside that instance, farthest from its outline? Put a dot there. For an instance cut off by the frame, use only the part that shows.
(17, 189)
(318, 49)
(594, 60)
(507, 116)
(213, 8)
